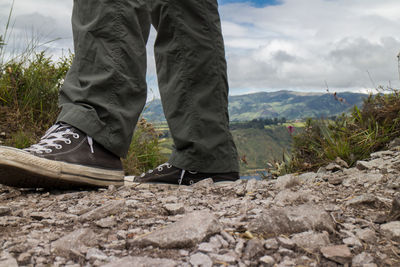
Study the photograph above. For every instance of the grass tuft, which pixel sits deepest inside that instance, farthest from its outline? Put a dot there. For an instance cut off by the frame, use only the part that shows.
(350, 137)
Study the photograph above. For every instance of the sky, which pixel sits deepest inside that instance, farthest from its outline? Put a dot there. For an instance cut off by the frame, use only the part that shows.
(299, 45)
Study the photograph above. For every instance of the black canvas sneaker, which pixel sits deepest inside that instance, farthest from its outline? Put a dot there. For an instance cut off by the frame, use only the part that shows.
(166, 173)
(64, 158)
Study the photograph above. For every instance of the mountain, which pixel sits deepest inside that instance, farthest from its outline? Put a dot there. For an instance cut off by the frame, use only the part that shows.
(288, 104)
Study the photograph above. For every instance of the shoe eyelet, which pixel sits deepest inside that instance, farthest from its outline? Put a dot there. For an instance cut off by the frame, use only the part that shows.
(68, 141)
(75, 135)
(169, 166)
(58, 146)
(160, 169)
(191, 182)
(48, 151)
(151, 171)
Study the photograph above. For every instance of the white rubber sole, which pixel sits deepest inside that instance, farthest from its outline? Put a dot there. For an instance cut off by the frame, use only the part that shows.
(22, 169)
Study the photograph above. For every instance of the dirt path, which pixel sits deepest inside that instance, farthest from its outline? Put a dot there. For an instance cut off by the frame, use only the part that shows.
(335, 217)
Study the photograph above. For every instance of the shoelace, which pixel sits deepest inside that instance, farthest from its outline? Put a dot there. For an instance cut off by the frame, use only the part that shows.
(53, 136)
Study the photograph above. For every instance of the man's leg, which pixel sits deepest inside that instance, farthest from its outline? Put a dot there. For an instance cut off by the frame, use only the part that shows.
(105, 89)
(192, 78)
(102, 97)
(191, 68)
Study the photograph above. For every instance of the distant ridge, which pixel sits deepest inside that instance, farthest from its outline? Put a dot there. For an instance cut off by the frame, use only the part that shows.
(288, 104)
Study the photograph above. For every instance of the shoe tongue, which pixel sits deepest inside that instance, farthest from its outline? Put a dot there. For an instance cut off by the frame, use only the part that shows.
(60, 127)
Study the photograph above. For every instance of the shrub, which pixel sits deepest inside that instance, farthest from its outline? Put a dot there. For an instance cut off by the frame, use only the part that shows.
(351, 137)
(29, 89)
(144, 151)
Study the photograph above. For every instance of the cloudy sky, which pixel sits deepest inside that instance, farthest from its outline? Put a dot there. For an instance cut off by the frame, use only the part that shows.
(350, 45)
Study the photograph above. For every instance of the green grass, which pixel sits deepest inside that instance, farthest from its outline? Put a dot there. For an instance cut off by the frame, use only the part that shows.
(145, 151)
(351, 137)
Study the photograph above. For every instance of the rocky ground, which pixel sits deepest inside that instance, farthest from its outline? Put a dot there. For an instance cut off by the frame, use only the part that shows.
(337, 216)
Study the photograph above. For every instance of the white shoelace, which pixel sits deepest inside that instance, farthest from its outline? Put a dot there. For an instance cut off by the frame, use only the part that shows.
(56, 134)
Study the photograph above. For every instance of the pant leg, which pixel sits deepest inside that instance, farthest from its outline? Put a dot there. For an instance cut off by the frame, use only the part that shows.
(105, 90)
(192, 78)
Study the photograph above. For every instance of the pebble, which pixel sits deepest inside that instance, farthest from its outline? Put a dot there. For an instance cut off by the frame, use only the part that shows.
(391, 230)
(196, 227)
(267, 261)
(4, 210)
(339, 253)
(254, 249)
(200, 260)
(311, 241)
(174, 209)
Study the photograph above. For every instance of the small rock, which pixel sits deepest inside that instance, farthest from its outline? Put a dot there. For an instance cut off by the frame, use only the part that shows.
(285, 252)
(96, 254)
(108, 222)
(228, 237)
(251, 186)
(308, 177)
(187, 232)
(77, 241)
(381, 154)
(174, 209)
(286, 242)
(391, 230)
(341, 162)
(287, 181)
(365, 199)
(207, 247)
(288, 196)
(271, 244)
(289, 220)
(239, 246)
(362, 259)
(394, 143)
(333, 167)
(394, 214)
(311, 241)
(4, 210)
(110, 208)
(253, 249)
(267, 261)
(24, 258)
(200, 260)
(205, 183)
(141, 262)
(226, 258)
(366, 235)
(221, 241)
(364, 165)
(335, 179)
(339, 253)
(183, 252)
(6, 260)
(352, 242)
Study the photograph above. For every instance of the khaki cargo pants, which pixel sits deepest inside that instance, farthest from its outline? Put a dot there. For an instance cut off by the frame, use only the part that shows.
(105, 89)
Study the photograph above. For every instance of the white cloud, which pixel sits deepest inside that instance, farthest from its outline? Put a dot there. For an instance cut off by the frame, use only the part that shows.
(350, 44)
(298, 45)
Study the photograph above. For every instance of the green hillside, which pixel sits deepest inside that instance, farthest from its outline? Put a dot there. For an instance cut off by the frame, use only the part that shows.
(258, 146)
(288, 104)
